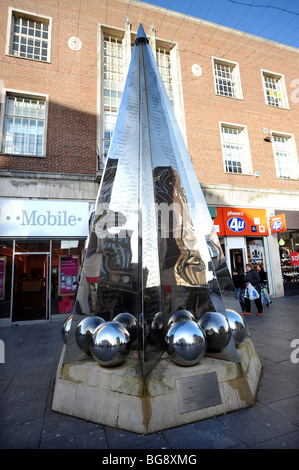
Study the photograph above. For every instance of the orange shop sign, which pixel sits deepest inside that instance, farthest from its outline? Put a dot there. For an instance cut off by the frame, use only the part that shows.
(278, 223)
(241, 221)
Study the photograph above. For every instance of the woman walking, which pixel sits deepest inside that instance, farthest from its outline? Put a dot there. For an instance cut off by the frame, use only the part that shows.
(263, 278)
(254, 279)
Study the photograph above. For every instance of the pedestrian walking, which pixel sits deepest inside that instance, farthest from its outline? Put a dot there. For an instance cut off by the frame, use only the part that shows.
(238, 280)
(252, 277)
(263, 278)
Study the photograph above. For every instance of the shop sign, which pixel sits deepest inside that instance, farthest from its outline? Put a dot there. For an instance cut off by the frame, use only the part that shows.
(43, 218)
(295, 259)
(278, 223)
(241, 221)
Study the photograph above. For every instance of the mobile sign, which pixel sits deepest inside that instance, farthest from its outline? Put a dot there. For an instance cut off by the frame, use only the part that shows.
(241, 221)
(278, 223)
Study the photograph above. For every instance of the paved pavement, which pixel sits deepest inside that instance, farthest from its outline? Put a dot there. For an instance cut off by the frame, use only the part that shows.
(27, 381)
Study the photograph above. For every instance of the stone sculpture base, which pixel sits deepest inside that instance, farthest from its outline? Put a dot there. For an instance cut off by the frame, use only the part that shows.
(171, 396)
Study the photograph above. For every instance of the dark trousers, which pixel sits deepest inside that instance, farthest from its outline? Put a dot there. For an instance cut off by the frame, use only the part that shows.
(258, 304)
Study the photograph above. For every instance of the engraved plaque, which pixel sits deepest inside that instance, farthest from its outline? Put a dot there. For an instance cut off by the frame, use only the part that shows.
(198, 391)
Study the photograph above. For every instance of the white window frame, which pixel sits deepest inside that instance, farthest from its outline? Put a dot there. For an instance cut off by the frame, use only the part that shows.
(236, 73)
(294, 157)
(280, 78)
(248, 163)
(22, 94)
(29, 16)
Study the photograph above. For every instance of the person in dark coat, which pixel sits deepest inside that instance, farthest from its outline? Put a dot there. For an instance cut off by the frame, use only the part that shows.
(263, 278)
(238, 280)
(254, 279)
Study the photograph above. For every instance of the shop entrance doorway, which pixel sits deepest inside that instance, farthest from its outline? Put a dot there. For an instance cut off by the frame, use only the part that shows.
(30, 287)
(237, 260)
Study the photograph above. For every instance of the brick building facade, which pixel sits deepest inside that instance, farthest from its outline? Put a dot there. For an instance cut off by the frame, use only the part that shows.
(235, 96)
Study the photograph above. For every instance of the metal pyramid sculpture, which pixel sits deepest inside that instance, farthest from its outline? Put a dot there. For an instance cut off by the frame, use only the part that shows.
(152, 248)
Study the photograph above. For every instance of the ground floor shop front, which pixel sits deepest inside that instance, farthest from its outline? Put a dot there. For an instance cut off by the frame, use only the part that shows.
(41, 248)
(257, 236)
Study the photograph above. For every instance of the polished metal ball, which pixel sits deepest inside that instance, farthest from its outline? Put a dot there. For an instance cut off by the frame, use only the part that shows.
(65, 329)
(84, 331)
(130, 323)
(157, 331)
(180, 315)
(109, 344)
(217, 331)
(185, 343)
(237, 326)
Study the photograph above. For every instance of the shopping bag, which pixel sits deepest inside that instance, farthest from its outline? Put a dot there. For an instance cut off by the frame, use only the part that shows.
(252, 292)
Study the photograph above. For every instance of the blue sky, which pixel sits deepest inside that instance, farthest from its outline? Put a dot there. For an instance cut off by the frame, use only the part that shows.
(277, 20)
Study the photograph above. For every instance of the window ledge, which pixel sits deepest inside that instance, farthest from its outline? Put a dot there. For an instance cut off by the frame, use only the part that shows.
(238, 174)
(2, 154)
(287, 179)
(277, 107)
(28, 58)
(230, 97)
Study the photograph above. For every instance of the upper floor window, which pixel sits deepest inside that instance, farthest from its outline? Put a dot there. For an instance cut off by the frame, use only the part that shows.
(227, 78)
(29, 36)
(235, 149)
(24, 125)
(275, 90)
(164, 65)
(285, 155)
(113, 84)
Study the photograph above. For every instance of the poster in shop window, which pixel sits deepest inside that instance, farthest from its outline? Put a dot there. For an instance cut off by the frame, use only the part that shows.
(2, 277)
(68, 275)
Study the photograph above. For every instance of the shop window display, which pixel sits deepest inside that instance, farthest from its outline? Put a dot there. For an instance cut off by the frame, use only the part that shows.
(66, 259)
(289, 255)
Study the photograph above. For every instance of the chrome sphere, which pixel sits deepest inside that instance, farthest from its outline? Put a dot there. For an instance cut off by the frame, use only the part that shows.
(84, 331)
(157, 331)
(130, 323)
(217, 331)
(185, 343)
(157, 323)
(180, 315)
(237, 326)
(65, 329)
(109, 344)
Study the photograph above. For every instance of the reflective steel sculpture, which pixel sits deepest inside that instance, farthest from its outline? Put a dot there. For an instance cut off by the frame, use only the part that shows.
(85, 330)
(237, 326)
(65, 329)
(217, 331)
(109, 344)
(152, 248)
(185, 343)
(130, 323)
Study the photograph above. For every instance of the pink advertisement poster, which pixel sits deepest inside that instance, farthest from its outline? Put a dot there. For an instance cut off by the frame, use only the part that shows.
(68, 274)
(2, 277)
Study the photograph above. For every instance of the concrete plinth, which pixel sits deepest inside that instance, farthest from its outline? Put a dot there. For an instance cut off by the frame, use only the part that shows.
(117, 397)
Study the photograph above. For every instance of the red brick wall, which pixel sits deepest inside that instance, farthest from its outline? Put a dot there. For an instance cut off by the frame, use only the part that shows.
(71, 82)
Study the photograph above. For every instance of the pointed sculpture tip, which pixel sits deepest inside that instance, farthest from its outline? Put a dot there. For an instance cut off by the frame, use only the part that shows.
(141, 36)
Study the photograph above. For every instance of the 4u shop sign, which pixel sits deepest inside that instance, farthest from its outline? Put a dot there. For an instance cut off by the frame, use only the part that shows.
(240, 221)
